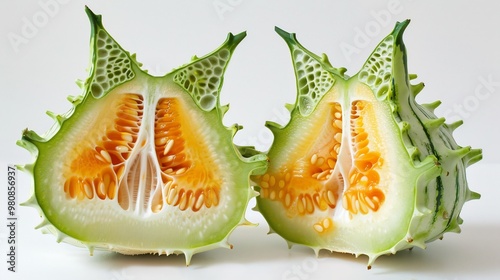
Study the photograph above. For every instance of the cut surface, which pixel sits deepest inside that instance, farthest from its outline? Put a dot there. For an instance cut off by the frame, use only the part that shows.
(143, 164)
(361, 167)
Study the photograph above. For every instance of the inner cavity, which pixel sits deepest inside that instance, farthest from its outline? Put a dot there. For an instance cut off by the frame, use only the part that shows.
(313, 181)
(98, 162)
(363, 194)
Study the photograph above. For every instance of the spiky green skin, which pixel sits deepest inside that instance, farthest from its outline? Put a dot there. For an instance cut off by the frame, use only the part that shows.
(103, 224)
(428, 165)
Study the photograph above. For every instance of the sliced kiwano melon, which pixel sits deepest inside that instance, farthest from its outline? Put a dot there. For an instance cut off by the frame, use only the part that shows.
(143, 164)
(361, 167)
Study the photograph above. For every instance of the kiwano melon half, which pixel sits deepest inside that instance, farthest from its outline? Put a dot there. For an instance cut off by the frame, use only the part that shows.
(143, 164)
(361, 167)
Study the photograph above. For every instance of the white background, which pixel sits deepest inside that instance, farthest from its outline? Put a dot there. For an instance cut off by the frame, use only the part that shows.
(453, 46)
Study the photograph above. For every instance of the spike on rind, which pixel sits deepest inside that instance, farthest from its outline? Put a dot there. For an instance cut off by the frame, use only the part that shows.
(32, 137)
(454, 125)
(290, 107)
(472, 195)
(75, 100)
(432, 106)
(417, 88)
(434, 124)
(473, 156)
(273, 126)
(91, 249)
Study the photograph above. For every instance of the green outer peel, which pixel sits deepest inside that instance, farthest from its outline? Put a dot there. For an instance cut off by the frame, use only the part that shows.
(427, 163)
(102, 223)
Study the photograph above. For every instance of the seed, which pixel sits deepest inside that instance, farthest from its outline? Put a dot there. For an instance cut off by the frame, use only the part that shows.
(215, 198)
(362, 207)
(281, 194)
(199, 202)
(167, 186)
(101, 190)
(169, 158)
(184, 200)
(180, 171)
(112, 190)
(281, 184)
(127, 137)
(99, 158)
(327, 223)
(87, 188)
(322, 175)
(338, 123)
(309, 204)
(331, 197)
(106, 156)
(300, 206)
(210, 194)
(172, 197)
(344, 202)
(272, 195)
(338, 115)
(265, 178)
(336, 148)
(338, 137)
(370, 202)
(168, 146)
(333, 154)
(320, 161)
(122, 149)
(161, 141)
(264, 184)
(361, 137)
(364, 181)
(73, 187)
(354, 205)
(314, 158)
(331, 163)
(318, 228)
(288, 200)
(272, 181)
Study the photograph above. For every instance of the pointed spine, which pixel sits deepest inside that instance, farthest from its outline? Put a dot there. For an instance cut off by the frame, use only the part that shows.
(453, 126)
(473, 156)
(432, 106)
(417, 88)
(434, 124)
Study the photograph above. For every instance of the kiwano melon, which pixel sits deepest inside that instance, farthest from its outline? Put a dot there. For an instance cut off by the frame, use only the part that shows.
(143, 164)
(361, 167)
